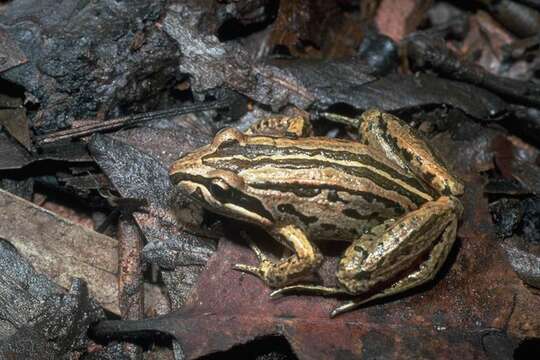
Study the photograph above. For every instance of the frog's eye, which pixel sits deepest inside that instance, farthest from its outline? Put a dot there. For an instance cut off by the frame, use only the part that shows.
(218, 186)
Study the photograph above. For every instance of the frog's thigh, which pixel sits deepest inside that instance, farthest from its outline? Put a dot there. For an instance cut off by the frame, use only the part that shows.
(306, 258)
(425, 272)
(403, 145)
(371, 261)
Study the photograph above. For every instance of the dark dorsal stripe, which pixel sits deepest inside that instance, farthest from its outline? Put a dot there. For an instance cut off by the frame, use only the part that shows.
(252, 151)
(302, 163)
(366, 196)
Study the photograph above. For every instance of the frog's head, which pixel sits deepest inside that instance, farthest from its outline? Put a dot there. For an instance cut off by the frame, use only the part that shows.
(199, 176)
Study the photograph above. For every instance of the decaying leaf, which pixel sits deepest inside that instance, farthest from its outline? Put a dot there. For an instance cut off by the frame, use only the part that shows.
(39, 319)
(10, 54)
(13, 156)
(61, 249)
(71, 69)
(16, 124)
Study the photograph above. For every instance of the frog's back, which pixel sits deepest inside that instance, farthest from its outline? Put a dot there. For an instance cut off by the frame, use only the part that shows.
(335, 188)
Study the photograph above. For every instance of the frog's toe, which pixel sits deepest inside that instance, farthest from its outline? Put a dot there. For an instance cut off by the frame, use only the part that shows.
(348, 306)
(307, 289)
(278, 293)
(249, 269)
(342, 309)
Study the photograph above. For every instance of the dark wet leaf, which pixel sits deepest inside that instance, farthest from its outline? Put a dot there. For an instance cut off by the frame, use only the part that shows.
(10, 54)
(524, 257)
(13, 156)
(16, 124)
(304, 83)
(39, 320)
(136, 174)
(402, 92)
(426, 51)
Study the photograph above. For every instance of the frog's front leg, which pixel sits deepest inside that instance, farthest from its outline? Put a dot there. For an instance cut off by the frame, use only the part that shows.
(305, 259)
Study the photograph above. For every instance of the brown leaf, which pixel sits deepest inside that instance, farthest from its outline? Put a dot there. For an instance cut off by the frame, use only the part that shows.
(484, 41)
(16, 124)
(398, 18)
(61, 249)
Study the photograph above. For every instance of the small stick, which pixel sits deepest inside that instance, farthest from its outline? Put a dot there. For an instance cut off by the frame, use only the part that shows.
(130, 280)
(130, 120)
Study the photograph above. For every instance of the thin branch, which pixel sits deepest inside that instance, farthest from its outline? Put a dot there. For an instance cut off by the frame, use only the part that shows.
(130, 120)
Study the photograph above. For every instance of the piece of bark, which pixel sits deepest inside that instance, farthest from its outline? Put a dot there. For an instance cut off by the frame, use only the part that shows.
(61, 249)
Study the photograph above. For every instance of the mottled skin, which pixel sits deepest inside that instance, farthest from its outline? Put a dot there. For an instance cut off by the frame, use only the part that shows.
(388, 194)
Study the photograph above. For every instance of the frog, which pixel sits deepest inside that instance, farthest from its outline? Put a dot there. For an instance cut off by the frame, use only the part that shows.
(388, 194)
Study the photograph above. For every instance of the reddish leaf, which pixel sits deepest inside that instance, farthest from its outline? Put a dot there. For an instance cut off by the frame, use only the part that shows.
(476, 298)
(398, 18)
(478, 295)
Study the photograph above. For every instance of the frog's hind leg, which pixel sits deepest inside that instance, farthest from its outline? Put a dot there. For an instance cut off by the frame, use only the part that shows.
(407, 148)
(404, 146)
(308, 289)
(286, 126)
(423, 274)
(371, 261)
(305, 259)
